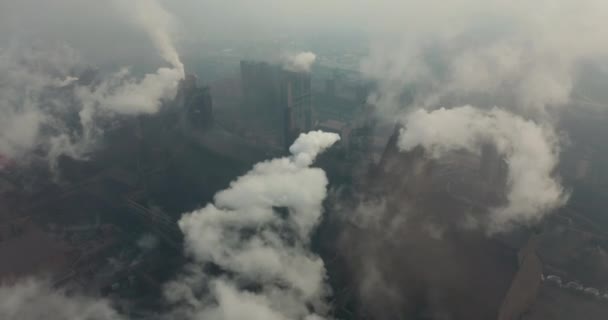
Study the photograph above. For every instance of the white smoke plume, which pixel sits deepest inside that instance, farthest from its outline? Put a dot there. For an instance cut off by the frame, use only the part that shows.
(258, 232)
(126, 95)
(123, 94)
(269, 271)
(40, 97)
(159, 24)
(34, 300)
(531, 152)
(299, 62)
(524, 57)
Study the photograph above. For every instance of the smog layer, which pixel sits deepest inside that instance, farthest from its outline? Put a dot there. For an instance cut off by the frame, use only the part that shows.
(315, 160)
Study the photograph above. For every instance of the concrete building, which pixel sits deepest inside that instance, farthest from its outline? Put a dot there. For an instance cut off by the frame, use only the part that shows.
(281, 99)
(296, 98)
(261, 86)
(197, 112)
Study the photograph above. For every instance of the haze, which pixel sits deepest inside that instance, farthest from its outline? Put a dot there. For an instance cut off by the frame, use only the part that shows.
(320, 159)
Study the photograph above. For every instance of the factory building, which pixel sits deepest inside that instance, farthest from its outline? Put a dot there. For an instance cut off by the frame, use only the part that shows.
(260, 82)
(296, 98)
(196, 103)
(281, 99)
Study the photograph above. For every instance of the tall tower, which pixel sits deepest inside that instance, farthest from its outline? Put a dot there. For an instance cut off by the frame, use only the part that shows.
(296, 99)
(281, 99)
(196, 103)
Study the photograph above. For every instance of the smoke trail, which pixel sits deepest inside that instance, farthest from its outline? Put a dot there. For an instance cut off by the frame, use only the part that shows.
(158, 23)
(258, 232)
(40, 94)
(123, 94)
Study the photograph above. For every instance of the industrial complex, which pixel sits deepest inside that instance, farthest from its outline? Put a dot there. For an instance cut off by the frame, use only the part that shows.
(107, 225)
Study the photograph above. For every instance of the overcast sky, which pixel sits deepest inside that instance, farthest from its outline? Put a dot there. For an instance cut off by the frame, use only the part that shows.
(97, 26)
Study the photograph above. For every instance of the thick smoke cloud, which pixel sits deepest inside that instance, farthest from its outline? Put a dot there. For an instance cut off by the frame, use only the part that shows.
(523, 57)
(35, 300)
(300, 62)
(44, 106)
(531, 152)
(258, 233)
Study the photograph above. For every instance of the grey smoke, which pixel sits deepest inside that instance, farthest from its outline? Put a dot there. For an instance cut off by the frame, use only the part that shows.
(246, 234)
(159, 24)
(523, 57)
(39, 92)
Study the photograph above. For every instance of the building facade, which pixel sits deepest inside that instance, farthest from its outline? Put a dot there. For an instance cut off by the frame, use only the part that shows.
(280, 99)
(196, 104)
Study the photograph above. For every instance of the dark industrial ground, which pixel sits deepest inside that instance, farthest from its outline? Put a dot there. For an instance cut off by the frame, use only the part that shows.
(390, 241)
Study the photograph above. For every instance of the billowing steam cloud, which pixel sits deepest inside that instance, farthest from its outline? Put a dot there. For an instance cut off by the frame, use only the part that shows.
(258, 232)
(531, 152)
(45, 107)
(123, 94)
(300, 62)
(521, 56)
(35, 300)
